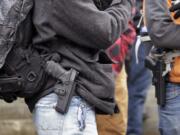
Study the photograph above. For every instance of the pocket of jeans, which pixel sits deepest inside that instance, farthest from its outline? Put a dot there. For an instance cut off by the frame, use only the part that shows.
(45, 116)
(48, 101)
(172, 91)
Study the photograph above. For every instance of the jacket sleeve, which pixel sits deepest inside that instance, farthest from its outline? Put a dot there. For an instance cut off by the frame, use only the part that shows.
(81, 21)
(161, 28)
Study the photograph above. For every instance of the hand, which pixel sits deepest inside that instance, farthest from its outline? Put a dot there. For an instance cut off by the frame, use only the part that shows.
(102, 4)
(175, 8)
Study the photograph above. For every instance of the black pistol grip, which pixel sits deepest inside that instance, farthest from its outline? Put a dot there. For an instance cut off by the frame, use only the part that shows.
(150, 63)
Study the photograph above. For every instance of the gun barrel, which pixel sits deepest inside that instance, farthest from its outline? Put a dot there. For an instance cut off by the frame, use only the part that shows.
(159, 83)
(157, 68)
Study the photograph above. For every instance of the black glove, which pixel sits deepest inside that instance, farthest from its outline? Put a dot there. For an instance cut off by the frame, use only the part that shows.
(102, 4)
(175, 8)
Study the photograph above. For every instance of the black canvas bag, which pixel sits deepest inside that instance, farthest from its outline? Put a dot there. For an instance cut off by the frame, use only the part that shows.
(21, 66)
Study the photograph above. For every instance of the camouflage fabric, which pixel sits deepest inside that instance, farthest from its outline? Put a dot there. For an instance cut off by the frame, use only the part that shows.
(12, 14)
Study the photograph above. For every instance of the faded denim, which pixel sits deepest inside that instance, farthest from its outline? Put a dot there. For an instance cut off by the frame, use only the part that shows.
(169, 116)
(79, 120)
(139, 80)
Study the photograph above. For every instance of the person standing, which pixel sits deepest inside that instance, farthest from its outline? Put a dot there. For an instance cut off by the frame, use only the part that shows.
(116, 124)
(138, 76)
(164, 30)
(79, 32)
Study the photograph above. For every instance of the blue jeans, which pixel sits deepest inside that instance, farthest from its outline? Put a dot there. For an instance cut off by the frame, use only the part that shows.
(79, 120)
(138, 81)
(169, 116)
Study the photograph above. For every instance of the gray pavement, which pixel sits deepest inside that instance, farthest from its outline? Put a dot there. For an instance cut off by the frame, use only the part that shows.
(151, 123)
(15, 119)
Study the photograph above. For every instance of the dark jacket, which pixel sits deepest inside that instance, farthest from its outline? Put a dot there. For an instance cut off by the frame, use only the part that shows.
(161, 28)
(79, 32)
(164, 31)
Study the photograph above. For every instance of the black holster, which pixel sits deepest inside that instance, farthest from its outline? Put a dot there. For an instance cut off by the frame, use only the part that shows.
(22, 74)
(157, 66)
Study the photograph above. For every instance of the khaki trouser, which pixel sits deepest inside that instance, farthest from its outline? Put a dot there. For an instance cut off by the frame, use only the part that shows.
(116, 124)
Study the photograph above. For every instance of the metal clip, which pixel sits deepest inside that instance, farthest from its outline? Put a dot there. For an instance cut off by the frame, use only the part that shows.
(81, 116)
